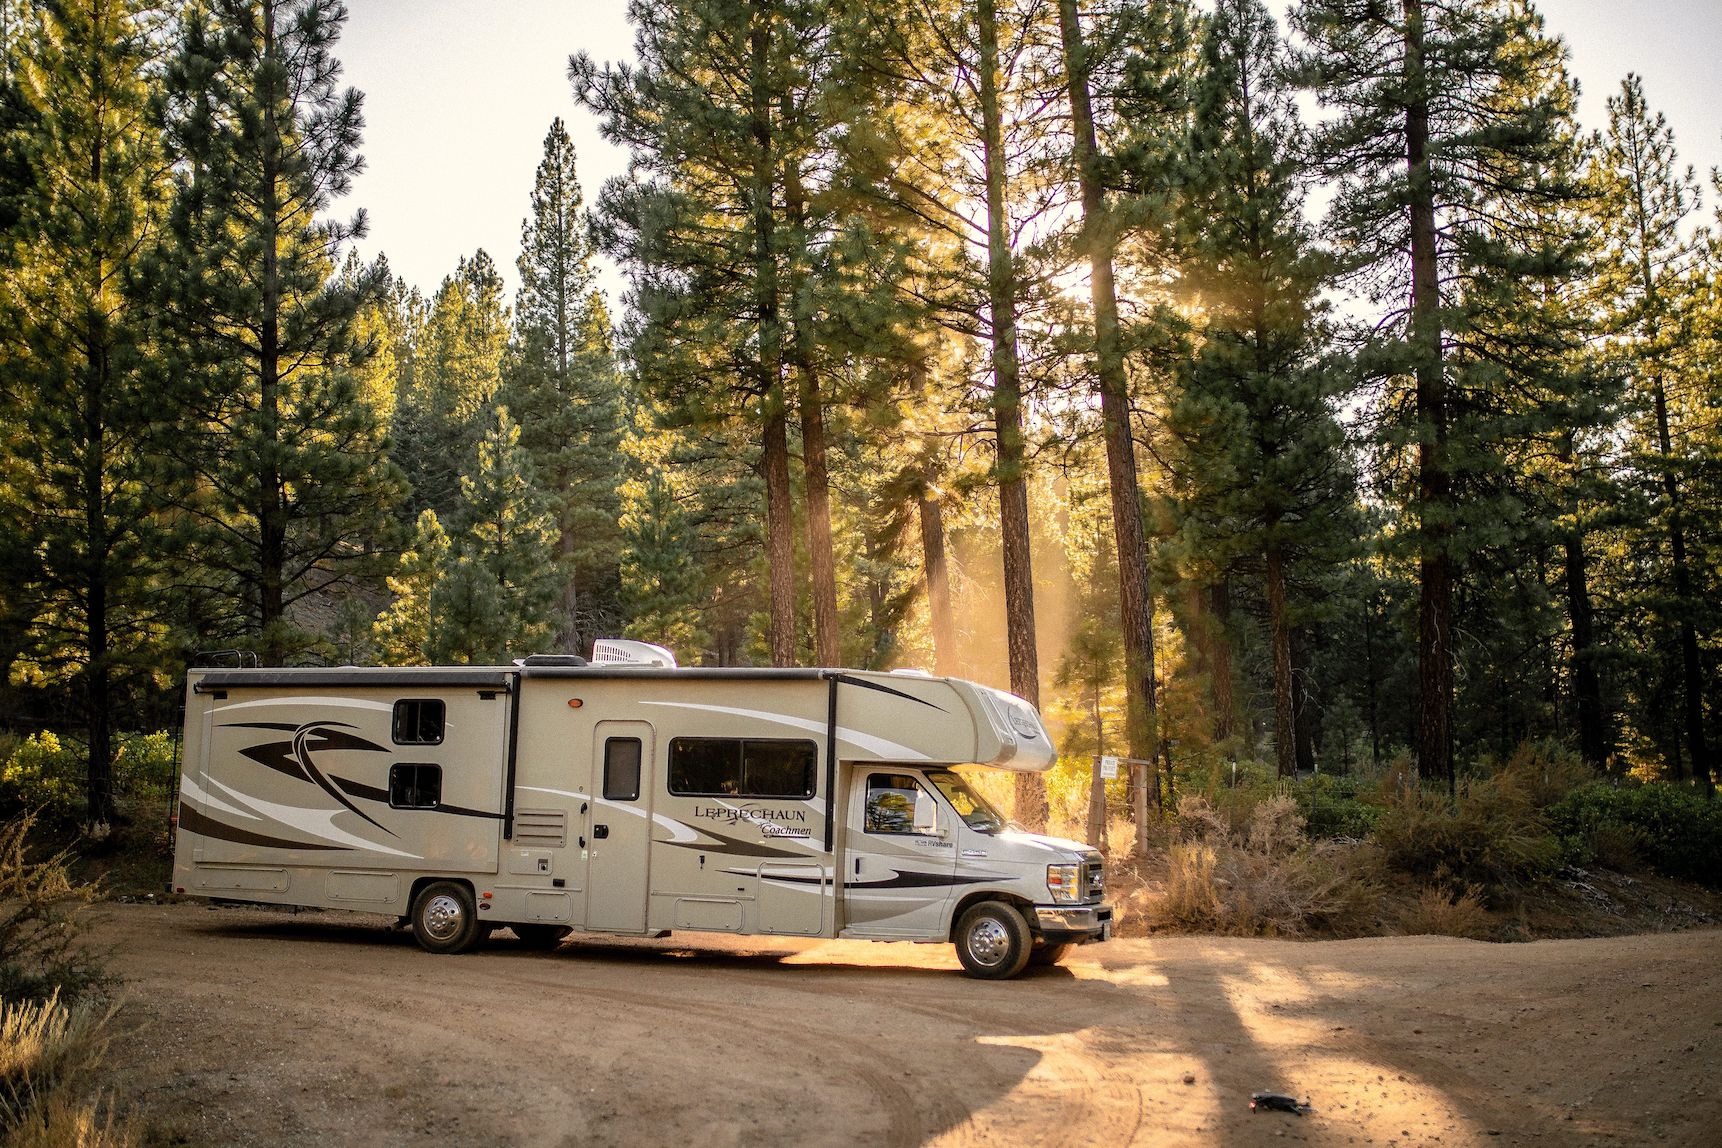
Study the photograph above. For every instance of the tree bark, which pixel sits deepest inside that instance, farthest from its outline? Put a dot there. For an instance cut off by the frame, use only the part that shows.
(1135, 592)
(1434, 480)
(827, 648)
(774, 460)
(1587, 689)
(1007, 412)
(1285, 714)
(271, 511)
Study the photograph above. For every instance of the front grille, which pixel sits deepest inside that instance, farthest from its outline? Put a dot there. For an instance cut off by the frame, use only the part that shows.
(1094, 879)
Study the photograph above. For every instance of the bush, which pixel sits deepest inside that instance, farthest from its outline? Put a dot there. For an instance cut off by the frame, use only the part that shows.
(1440, 913)
(1262, 878)
(44, 773)
(1332, 807)
(40, 955)
(1676, 831)
(1493, 837)
(49, 1053)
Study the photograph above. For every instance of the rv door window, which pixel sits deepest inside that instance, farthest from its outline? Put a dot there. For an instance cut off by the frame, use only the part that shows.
(622, 769)
(737, 767)
(897, 804)
(415, 786)
(419, 721)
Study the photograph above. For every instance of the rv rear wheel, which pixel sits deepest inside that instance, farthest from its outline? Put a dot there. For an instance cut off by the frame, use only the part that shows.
(540, 936)
(444, 920)
(993, 941)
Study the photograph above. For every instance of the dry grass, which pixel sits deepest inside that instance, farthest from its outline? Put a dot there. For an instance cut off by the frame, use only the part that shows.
(1439, 912)
(49, 1056)
(1261, 878)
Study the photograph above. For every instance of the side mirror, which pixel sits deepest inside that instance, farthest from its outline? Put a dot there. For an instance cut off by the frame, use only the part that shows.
(926, 814)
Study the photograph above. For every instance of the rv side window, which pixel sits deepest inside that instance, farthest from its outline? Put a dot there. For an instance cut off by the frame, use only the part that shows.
(414, 786)
(896, 803)
(734, 767)
(622, 769)
(418, 721)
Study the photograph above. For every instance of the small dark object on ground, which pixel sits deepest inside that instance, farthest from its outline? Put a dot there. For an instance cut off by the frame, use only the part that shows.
(1279, 1102)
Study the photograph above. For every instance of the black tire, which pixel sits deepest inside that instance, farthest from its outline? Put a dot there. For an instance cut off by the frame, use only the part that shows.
(993, 941)
(540, 936)
(1045, 956)
(445, 919)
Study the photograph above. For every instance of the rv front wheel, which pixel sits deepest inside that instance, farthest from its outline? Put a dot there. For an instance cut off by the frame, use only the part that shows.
(444, 920)
(993, 941)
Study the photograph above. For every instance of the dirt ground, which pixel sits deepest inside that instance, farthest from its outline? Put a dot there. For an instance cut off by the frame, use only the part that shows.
(252, 1027)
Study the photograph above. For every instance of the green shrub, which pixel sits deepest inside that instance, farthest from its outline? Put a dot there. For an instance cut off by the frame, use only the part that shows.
(44, 773)
(1335, 807)
(1675, 831)
(1493, 837)
(40, 953)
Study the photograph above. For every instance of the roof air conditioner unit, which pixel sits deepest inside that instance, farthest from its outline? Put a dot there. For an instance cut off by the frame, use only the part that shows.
(623, 652)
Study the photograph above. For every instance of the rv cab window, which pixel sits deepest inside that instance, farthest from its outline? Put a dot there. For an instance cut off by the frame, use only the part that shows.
(418, 721)
(897, 804)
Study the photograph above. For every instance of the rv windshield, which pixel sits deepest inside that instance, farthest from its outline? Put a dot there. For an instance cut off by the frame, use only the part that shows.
(970, 806)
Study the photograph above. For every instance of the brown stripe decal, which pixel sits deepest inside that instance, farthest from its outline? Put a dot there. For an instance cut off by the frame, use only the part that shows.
(196, 822)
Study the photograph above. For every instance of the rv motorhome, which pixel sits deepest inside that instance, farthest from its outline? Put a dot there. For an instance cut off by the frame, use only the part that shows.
(626, 795)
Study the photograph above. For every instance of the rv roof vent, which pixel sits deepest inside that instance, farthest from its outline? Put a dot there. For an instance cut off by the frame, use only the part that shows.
(623, 652)
(553, 660)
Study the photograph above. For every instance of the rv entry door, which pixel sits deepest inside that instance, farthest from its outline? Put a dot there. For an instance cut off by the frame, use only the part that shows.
(618, 828)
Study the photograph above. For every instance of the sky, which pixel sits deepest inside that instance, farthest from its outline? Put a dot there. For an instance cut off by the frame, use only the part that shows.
(460, 93)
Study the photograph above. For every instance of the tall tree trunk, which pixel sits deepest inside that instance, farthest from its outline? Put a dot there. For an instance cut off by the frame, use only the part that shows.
(826, 646)
(1135, 592)
(774, 460)
(1285, 713)
(1434, 480)
(98, 672)
(1007, 413)
(1691, 669)
(271, 509)
(935, 571)
(1587, 690)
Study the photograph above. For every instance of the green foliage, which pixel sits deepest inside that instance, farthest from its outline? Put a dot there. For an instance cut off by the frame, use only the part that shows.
(1494, 837)
(1675, 830)
(46, 772)
(41, 957)
(1336, 807)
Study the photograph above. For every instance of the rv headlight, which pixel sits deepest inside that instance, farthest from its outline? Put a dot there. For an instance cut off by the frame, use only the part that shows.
(1064, 882)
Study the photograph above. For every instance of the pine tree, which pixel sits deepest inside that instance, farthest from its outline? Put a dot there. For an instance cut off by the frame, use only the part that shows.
(1439, 106)
(296, 490)
(445, 400)
(1267, 483)
(497, 596)
(76, 392)
(1153, 38)
(562, 383)
(408, 632)
(1646, 198)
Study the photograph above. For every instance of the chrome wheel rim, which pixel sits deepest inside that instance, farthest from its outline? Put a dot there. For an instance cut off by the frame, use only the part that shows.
(989, 941)
(443, 917)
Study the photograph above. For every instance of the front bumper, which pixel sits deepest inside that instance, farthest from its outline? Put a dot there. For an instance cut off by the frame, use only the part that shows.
(1073, 924)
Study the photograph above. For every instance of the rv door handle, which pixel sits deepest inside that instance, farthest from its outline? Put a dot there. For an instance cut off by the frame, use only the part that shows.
(599, 832)
(582, 843)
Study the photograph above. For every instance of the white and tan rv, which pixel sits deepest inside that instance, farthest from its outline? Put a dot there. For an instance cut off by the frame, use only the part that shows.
(629, 796)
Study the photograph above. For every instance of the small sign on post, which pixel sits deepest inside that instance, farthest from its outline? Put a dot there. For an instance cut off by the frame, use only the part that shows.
(1108, 768)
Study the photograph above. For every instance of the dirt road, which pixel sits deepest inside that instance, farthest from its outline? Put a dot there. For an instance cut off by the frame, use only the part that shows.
(252, 1027)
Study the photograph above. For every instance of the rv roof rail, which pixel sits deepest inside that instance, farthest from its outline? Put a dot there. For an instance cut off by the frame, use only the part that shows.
(551, 660)
(225, 659)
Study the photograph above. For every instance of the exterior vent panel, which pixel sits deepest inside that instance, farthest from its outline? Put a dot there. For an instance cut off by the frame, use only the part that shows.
(540, 828)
